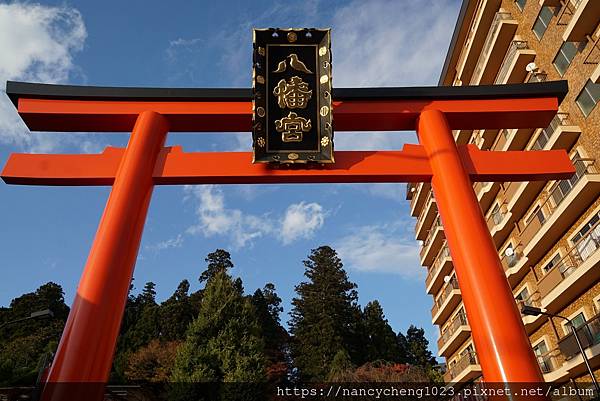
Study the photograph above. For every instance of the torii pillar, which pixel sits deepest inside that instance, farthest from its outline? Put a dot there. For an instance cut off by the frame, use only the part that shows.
(87, 346)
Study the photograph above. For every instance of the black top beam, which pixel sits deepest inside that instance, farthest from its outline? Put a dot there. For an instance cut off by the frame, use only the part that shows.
(17, 90)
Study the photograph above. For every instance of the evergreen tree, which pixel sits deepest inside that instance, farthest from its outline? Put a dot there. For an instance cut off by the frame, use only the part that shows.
(218, 261)
(416, 347)
(140, 325)
(25, 345)
(267, 305)
(176, 313)
(324, 316)
(340, 365)
(381, 342)
(223, 344)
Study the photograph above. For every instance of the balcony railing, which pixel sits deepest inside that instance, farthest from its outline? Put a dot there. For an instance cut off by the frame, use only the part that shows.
(414, 197)
(507, 62)
(534, 300)
(487, 46)
(463, 363)
(459, 320)
(555, 197)
(439, 302)
(550, 361)
(588, 333)
(437, 264)
(538, 77)
(579, 253)
(546, 133)
(420, 219)
(436, 223)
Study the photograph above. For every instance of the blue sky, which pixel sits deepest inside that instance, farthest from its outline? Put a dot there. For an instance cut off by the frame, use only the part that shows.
(46, 232)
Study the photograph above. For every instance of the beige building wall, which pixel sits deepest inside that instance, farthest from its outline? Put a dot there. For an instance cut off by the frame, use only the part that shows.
(501, 33)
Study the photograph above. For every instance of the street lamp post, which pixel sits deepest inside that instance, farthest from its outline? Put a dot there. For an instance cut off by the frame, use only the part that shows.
(533, 311)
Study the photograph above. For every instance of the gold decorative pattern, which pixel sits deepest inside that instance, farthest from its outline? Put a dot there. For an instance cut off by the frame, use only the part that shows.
(294, 102)
(293, 94)
(294, 63)
(292, 127)
(260, 79)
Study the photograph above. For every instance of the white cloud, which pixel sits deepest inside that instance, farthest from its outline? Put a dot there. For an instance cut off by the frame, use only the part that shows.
(381, 248)
(301, 220)
(175, 242)
(37, 43)
(390, 42)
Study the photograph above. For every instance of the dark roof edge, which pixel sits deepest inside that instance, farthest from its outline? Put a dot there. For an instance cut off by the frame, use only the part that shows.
(16, 90)
(455, 34)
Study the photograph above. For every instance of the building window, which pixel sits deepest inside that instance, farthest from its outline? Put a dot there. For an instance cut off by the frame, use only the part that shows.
(541, 351)
(523, 296)
(521, 4)
(578, 320)
(589, 96)
(542, 21)
(587, 239)
(553, 262)
(563, 58)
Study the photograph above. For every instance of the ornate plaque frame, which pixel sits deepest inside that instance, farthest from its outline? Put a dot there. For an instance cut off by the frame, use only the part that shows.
(291, 96)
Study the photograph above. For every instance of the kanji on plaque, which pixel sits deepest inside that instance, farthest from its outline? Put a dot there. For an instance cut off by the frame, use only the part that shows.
(292, 119)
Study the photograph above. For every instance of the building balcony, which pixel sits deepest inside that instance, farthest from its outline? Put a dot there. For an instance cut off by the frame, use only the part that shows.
(531, 323)
(486, 192)
(465, 369)
(433, 242)
(455, 335)
(516, 197)
(511, 139)
(441, 267)
(564, 203)
(446, 302)
(573, 274)
(426, 218)
(498, 40)
(513, 70)
(589, 335)
(419, 197)
(476, 37)
(462, 136)
(566, 361)
(550, 364)
(584, 20)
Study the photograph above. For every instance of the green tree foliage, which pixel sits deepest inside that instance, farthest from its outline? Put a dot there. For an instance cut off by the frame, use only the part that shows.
(324, 316)
(224, 343)
(267, 305)
(416, 347)
(26, 344)
(176, 313)
(340, 365)
(380, 339)
(218, 261)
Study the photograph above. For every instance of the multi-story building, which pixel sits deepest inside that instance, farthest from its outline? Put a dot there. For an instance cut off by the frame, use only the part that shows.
(547, 233)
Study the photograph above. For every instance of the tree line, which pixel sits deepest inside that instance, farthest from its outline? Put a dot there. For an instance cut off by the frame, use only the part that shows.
(220, 334)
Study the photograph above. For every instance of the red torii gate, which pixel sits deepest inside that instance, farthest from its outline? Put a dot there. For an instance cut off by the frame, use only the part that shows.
(88, 342)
